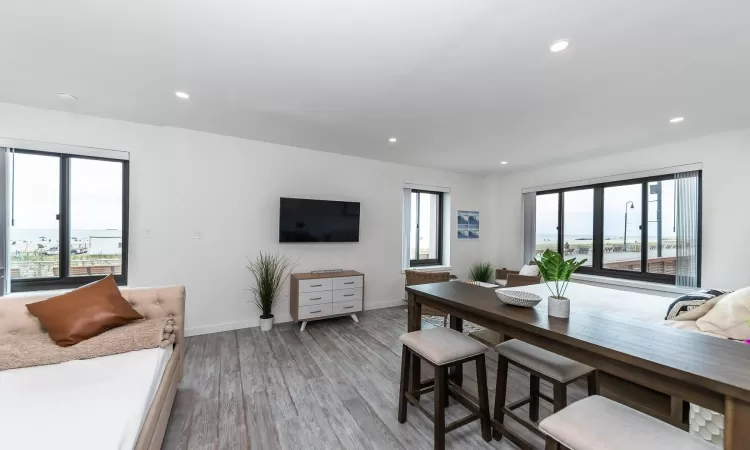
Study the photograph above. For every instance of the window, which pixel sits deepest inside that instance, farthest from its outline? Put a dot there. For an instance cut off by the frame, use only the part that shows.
(578, 228)
(625, 229)
(68, 220)
(622, 227)
(546, 222)
(426, 228)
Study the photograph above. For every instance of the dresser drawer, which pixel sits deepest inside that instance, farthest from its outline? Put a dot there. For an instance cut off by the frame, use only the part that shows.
(347, 307)
(314, 311)
(345, 295)
(315, 298)
(348, 282)
(321, 284)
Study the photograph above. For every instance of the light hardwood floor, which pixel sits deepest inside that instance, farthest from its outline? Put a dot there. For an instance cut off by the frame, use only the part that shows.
(333, 386)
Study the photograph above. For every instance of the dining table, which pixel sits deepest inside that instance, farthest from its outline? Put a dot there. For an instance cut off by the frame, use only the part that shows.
(684, 366)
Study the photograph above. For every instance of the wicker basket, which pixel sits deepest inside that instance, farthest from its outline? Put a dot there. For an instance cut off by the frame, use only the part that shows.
(518, 298)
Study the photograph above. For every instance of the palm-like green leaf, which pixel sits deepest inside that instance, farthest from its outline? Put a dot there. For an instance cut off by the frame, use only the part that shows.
(556, 271)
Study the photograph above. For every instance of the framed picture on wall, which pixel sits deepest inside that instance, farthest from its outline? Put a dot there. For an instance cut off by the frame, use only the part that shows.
(468, 224)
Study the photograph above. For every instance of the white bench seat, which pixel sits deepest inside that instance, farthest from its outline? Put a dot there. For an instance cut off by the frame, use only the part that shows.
(597, 423)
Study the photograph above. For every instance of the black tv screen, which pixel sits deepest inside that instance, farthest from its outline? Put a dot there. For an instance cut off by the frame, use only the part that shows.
(303, 220)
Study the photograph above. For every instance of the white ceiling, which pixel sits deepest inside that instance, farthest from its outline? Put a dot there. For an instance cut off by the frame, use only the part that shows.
(463, 84)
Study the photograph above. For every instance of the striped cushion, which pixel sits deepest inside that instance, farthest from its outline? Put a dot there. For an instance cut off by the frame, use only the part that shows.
(690, 301)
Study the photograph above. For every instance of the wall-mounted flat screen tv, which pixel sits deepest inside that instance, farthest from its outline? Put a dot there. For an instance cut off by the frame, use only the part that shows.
(302, 220)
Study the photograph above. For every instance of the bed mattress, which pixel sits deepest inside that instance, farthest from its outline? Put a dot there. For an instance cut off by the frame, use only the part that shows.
(99, 403)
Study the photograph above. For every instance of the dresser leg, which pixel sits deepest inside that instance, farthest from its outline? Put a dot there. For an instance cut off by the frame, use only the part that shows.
(302, 328)
(354, 318)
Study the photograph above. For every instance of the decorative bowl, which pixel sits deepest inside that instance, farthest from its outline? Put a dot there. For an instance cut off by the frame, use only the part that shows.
(518, 298)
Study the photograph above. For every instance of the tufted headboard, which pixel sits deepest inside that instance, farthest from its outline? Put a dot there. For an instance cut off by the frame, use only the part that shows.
(149, 302)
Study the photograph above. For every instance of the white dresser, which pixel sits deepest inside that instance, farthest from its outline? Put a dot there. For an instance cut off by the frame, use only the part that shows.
(316, 296)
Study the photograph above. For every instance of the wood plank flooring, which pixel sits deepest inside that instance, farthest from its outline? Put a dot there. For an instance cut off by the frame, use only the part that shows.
(331, 387)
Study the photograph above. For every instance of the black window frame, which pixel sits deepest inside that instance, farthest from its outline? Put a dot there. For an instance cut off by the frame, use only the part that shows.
(435, 261)
(64, 280)
(598, 229)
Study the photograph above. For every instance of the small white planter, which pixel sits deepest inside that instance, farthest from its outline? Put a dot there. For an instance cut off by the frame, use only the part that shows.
(558, 307)
(266, 324)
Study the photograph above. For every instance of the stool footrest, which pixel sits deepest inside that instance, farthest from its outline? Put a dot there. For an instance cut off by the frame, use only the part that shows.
(413, 400)
(461, 396)
(519, 442)
(518, 404)
(423, 391)
(461, 422)
(544, 397)
(525, 422)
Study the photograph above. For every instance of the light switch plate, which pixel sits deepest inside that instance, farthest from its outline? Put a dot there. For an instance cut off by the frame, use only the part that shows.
(147, 233)
(198, 235)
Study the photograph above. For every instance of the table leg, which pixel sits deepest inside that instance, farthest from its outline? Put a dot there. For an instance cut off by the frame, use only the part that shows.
(736, 418)
(457, 371)
(414, 323)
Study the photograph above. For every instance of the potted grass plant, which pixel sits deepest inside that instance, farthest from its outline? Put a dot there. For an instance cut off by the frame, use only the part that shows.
(556, 272)
(270, 272)
(481, 272)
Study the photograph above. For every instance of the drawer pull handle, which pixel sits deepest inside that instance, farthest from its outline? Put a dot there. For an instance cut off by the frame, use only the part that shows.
(348, 307)
(316, 298)
(348, 295)
(349, 282)
(313, 312)
(316, 285)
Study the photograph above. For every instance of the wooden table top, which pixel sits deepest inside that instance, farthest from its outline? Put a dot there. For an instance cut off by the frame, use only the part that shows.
(712, 363)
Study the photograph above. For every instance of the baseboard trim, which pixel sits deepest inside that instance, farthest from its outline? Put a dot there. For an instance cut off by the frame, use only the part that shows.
(382, 305)
(230, 326)
(250, 323)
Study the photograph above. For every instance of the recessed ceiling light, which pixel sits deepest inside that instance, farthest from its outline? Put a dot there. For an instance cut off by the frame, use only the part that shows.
(503, 162)
(559, 46)
(392, 140)
(183, 95)
(676, 119)
(66, 96)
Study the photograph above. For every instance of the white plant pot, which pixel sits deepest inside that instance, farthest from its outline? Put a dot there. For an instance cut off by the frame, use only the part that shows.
(266, 324)
(558, 307)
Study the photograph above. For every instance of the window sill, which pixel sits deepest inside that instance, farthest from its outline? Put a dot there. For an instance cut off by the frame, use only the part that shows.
(633, 283)
(428, 268)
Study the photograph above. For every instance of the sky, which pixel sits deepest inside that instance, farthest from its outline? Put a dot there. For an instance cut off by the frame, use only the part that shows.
(579, 212)
(95, 192)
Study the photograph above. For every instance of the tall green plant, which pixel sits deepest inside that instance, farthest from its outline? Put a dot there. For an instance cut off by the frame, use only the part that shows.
(270, 272)
(555, 269)
(481, 272)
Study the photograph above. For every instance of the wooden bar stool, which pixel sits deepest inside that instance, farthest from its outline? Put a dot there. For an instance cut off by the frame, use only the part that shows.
(442, 348)
(541, 364)
(596, 422)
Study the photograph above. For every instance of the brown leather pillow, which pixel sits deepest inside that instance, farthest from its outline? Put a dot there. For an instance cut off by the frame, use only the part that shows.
(84, 313)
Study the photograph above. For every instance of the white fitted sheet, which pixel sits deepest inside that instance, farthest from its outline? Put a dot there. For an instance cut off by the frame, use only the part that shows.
(97, 404)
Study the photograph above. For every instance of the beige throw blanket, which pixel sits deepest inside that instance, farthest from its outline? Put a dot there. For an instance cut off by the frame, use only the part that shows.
(17, 351)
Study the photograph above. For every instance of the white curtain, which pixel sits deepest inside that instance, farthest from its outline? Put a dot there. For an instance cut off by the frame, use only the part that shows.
(406, 238)
(687, 223)
(529, 226)
(5, 177)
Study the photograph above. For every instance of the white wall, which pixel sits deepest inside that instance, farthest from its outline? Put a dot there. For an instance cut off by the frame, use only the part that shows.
(184, 181)
(726, 209)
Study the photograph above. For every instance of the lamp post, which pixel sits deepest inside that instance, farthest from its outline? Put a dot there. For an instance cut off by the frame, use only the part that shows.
(625, 232)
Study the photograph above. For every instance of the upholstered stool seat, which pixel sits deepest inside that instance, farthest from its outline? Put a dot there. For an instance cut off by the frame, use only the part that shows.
(551, 365)
(541, 365)
(443, 348)
(595, 423)
(442, 345)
